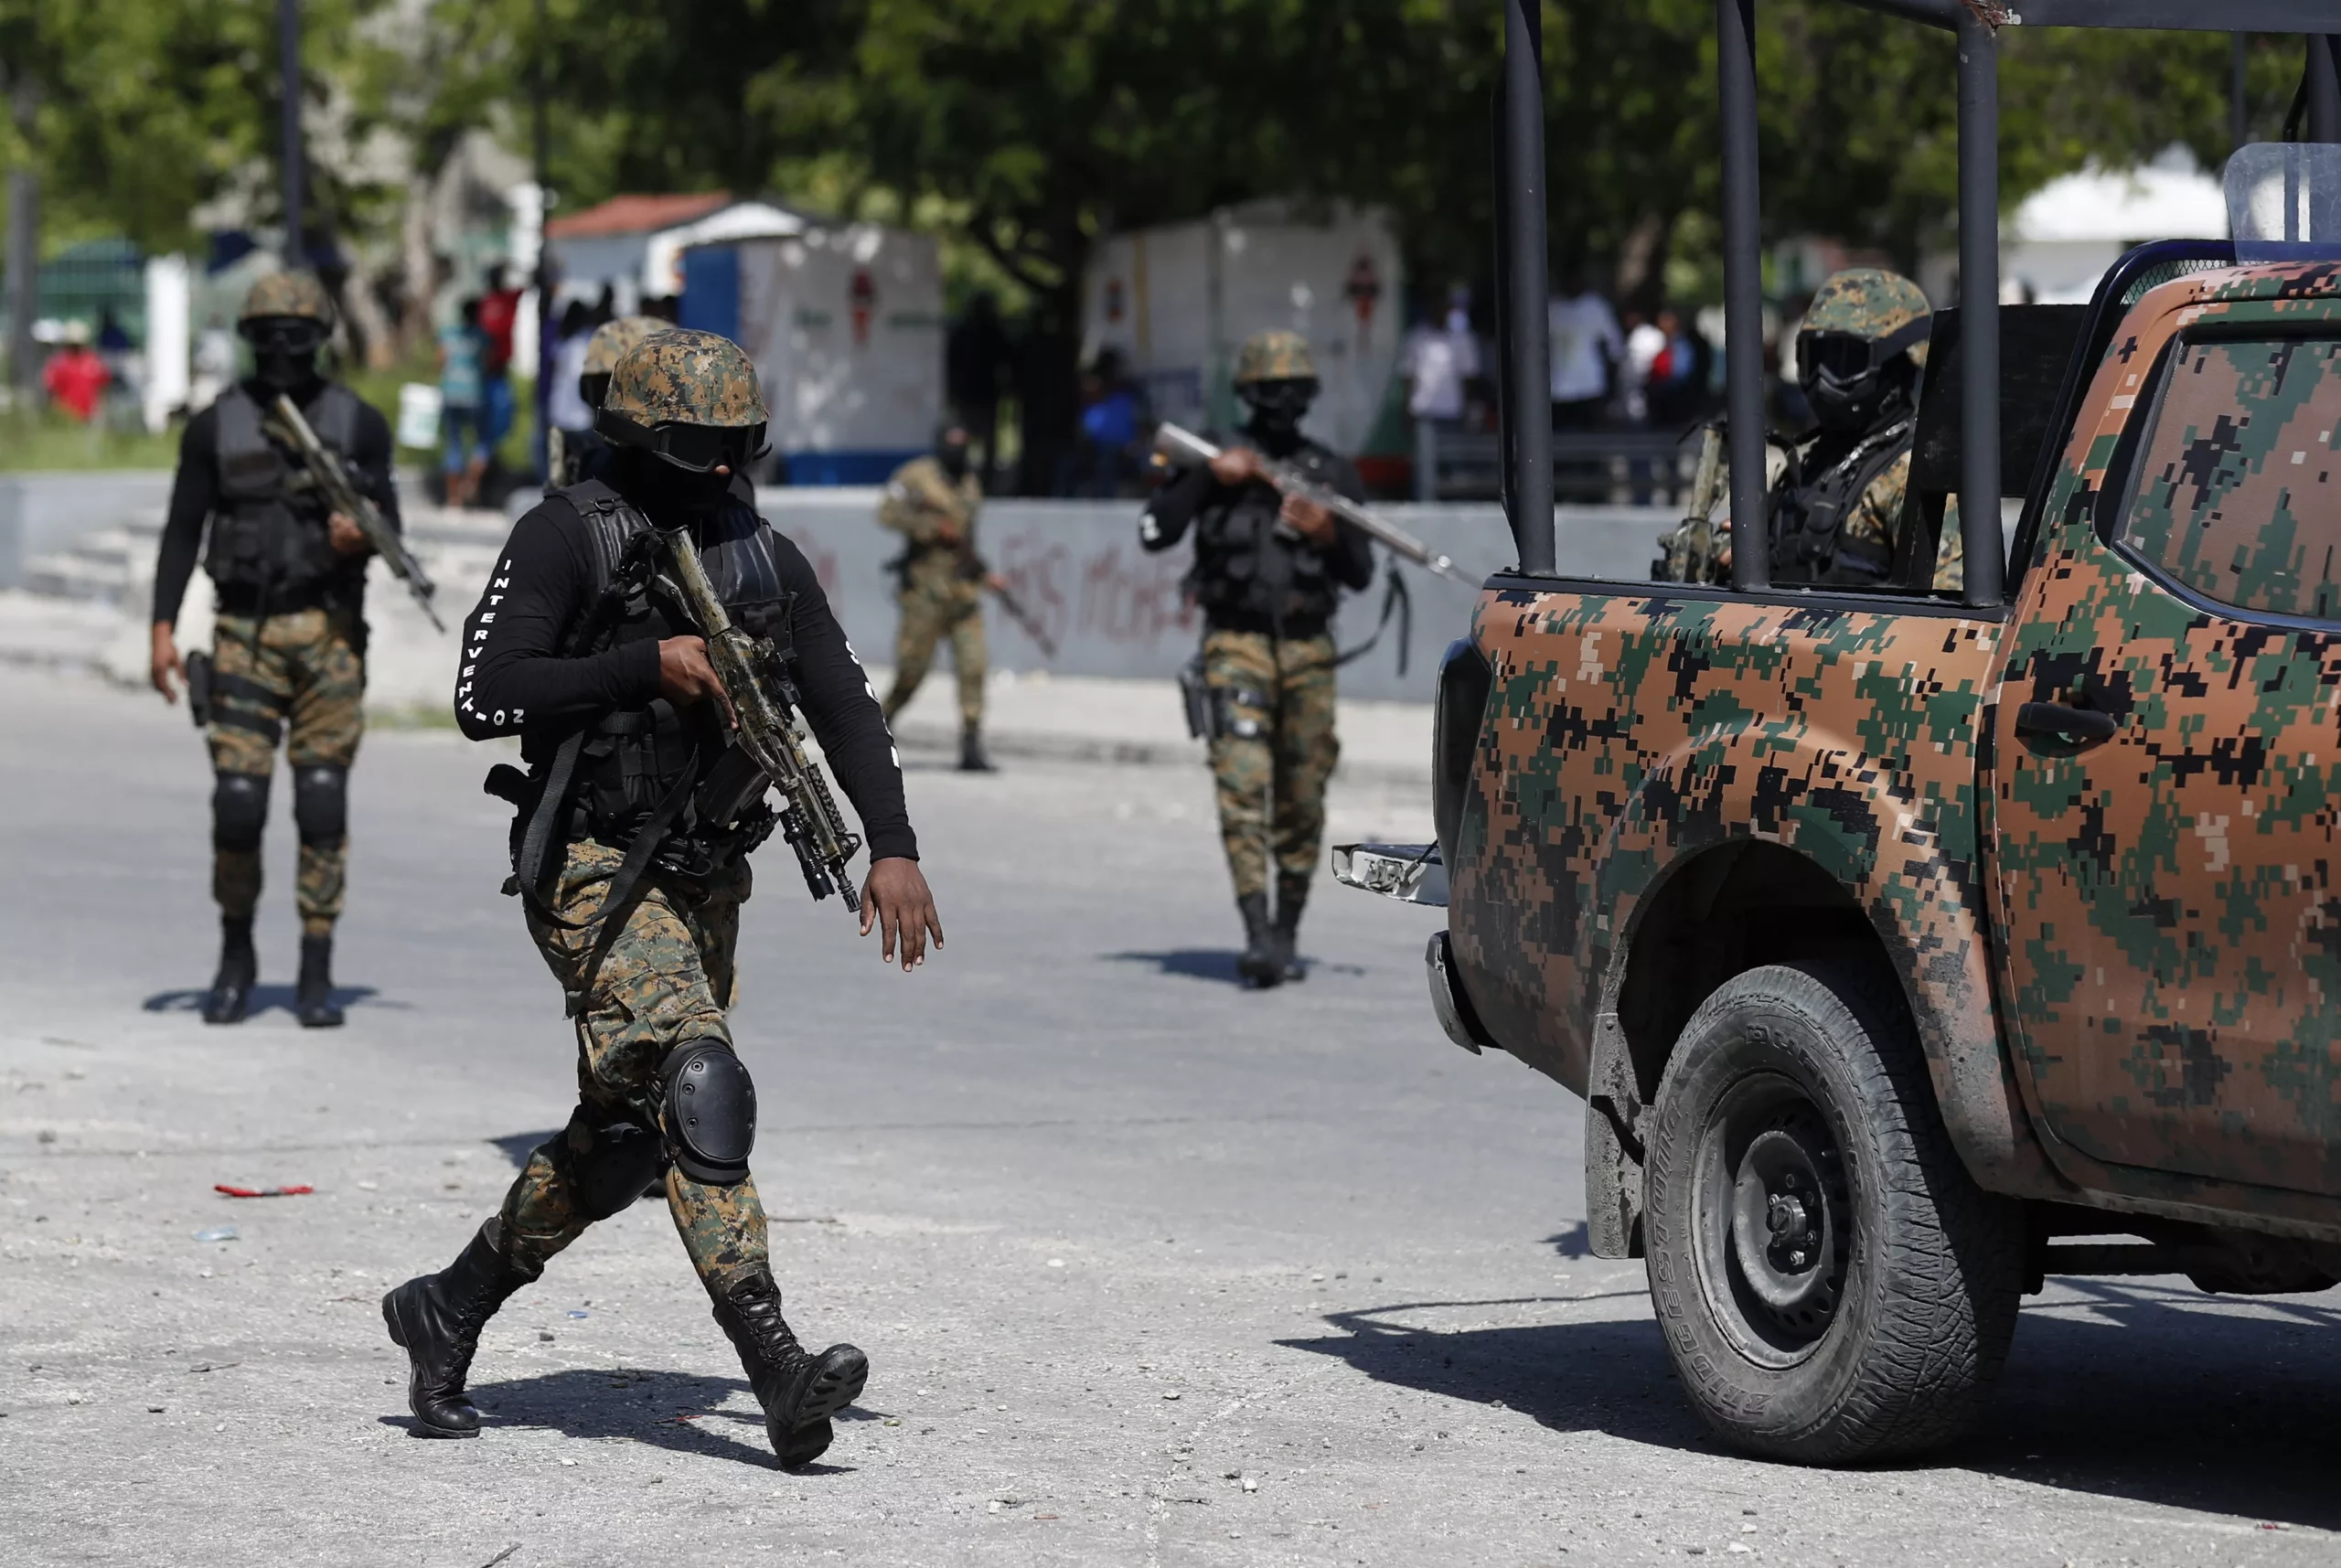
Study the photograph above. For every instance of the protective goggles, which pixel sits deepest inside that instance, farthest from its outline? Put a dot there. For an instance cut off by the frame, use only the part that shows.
(1845, 359)
(695, 448)
(285, 334)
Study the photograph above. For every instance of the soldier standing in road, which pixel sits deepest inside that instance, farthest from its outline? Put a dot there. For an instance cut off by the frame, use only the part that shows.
(291, 640)
(1837, 510)
(634, 897)
(1268, 569)
(579, 455)
(932, 502)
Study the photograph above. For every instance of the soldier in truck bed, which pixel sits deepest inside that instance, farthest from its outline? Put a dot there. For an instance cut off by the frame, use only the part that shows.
(1268, 571)
(1836, 510)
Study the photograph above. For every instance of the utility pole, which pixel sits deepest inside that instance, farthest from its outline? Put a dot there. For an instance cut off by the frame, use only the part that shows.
(288, 45)
(2324, 88)
(24, 232)
(544, 280)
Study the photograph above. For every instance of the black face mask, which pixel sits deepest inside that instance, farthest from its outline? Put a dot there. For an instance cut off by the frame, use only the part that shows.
(284, 351)
(953, 456)
(1854, 383)
(1277, 408)
(667, 495)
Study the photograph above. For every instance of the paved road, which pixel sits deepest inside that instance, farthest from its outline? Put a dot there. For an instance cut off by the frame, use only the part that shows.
(1150, 1271)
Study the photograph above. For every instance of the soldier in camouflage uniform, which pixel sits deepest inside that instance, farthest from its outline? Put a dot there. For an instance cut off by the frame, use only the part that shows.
(578, 455)
(632, 876)
(932, 502)
(1837, 510)
(1268, 571)
(291, 639)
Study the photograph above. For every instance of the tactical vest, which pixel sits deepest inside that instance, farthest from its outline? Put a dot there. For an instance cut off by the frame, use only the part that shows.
(632, 759)
(1249, 577)
(1808, 517)
(268, 529)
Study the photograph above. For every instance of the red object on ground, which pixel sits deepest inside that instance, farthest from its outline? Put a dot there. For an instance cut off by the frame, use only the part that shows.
(260, 1191)
(74, 377)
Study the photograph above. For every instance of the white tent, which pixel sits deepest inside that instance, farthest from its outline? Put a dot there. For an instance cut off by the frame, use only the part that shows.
(2067, 233)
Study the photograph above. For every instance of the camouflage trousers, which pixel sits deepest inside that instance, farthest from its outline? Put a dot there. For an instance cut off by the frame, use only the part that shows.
(303, 670)
(662, 979)
(1274, 751)
(932, 611)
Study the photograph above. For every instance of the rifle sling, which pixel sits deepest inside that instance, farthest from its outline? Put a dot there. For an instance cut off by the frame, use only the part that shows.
(1395, 599)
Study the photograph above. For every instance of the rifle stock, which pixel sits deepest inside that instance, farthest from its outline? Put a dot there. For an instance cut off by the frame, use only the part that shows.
(763, 706)
(1184, 447)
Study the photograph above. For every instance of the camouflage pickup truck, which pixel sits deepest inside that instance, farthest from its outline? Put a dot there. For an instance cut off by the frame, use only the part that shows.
(1894, 941)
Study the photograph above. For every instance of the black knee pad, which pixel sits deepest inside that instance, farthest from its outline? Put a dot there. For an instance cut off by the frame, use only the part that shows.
(321, 805)
(621, 1159)
(711, 1112)
(238, 811)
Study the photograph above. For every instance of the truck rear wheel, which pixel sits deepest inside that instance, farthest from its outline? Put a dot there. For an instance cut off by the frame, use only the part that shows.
(1832, 1284)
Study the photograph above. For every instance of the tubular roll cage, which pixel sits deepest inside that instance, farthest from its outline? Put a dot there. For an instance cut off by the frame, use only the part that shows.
(1524, 372)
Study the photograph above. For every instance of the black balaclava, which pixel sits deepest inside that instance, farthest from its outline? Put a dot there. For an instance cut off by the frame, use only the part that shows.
(670, 497)
(1277, 407)
(284, 351)
(1851, 383)
(951, 451)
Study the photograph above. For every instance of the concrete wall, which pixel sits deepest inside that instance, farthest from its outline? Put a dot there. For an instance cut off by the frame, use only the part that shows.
(42, 514)
(1114, 610)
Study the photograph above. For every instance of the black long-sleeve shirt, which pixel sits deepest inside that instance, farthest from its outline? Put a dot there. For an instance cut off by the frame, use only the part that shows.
(514, 680)
(194, 491)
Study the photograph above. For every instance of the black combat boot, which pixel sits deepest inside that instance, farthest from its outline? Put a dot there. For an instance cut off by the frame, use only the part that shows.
(799, 1390)
(1291, 897)
(972, 759)
(312, 997)
(1259, 966)
(436, 1319)
(232, 989)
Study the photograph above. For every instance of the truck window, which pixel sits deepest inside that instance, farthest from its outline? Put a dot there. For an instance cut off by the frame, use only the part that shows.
(2238, 480)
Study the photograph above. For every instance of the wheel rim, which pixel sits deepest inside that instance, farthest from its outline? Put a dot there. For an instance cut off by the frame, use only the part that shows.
(1775, 1227)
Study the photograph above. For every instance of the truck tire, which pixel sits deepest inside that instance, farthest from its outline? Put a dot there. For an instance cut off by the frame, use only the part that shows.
(1832, 1284)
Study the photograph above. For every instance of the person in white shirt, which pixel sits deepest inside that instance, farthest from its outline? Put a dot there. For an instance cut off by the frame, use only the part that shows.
(1586, 348)
(1441, 359)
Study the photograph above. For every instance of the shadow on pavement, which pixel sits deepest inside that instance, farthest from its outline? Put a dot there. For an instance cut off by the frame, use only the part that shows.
(667, 1410)
(518, 1147)
(264, 998)
(2139, 1392)
(1216, 964)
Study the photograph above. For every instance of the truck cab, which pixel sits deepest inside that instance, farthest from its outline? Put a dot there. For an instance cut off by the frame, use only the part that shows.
(1909, 947)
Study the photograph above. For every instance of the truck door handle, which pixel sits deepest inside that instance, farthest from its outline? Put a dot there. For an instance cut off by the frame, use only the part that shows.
(2068, 722)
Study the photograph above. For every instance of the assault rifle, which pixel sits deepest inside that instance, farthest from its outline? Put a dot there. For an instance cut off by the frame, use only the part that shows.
(341, 492)
(1688, 552)
(763, 702)
(1185, 447)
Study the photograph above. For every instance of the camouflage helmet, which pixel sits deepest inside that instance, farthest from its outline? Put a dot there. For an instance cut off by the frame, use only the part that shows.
(1876, 305)
(690, 397)
(613, 338)
(287, 294)
(1275, 356)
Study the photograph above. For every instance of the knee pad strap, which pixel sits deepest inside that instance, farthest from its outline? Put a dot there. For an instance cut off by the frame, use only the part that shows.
(711, 1112)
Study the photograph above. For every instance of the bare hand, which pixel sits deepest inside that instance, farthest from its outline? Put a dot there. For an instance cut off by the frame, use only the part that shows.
(346, 536)
(166, 664)
(946, 531)
(996, 582)
(685, 676)
(1308, 519)
(1234, 465)
(896, 900)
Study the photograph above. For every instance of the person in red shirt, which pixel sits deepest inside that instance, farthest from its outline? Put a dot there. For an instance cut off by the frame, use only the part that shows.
(499, 309)
(75, 377)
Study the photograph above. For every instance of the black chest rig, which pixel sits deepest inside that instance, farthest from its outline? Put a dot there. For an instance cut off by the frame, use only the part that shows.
(665, 785)
(1810, 510)
(269, 549)
(1250, 575)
